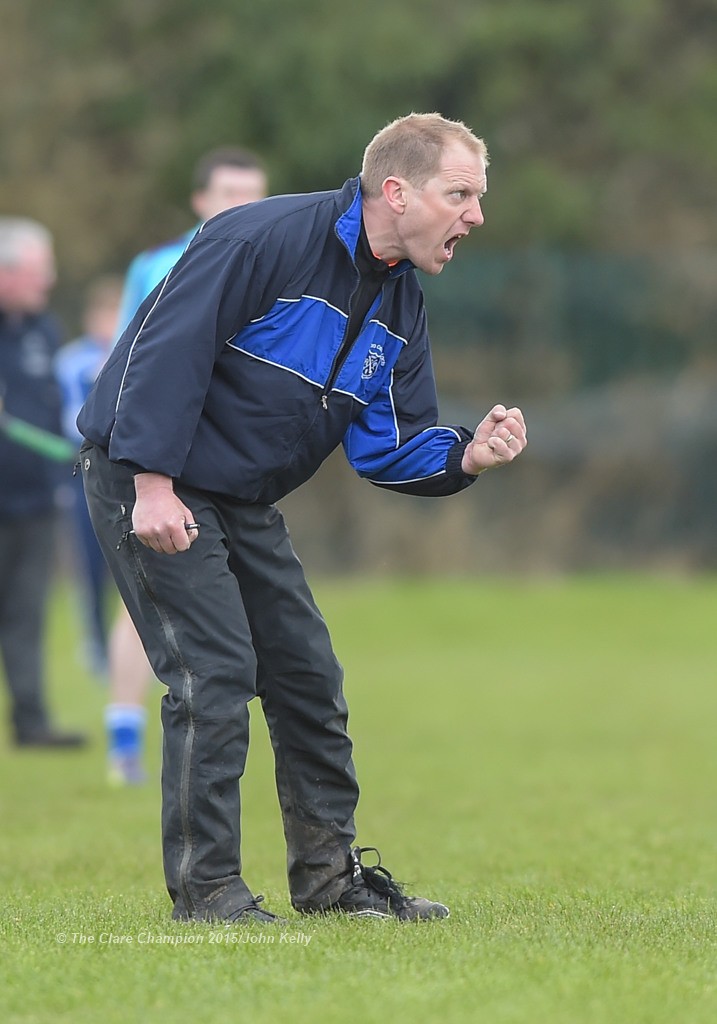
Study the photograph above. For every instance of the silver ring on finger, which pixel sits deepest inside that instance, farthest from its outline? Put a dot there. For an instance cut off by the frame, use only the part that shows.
(509, 438)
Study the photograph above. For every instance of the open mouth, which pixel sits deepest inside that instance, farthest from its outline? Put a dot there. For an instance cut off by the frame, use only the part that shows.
(450, 245)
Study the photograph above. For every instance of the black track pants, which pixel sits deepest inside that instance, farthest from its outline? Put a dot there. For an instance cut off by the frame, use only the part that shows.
(227, 620)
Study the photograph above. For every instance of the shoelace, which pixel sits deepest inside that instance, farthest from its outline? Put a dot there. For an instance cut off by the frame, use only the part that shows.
(377, 877)
(252, 905)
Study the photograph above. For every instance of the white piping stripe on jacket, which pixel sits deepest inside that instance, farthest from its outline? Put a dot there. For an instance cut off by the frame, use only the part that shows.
(288, 369)
(413, 480)
(270, 362)
(314, 298)
(136, 337)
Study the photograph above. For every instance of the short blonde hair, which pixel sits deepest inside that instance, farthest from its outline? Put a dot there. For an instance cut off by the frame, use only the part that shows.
(411, 147)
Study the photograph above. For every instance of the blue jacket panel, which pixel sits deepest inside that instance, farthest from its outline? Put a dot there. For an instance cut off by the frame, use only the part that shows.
(229, 376)
(29, 391)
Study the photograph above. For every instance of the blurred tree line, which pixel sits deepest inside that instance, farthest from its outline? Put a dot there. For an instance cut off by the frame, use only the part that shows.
(599, 114)
(595, 269)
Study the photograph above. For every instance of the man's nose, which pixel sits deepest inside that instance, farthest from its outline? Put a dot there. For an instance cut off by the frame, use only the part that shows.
(474, 215)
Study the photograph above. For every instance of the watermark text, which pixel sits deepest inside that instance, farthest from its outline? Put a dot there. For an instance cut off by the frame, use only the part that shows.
(216, 937)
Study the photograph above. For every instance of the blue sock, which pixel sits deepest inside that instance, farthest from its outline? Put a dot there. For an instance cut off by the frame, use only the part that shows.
(125, 729)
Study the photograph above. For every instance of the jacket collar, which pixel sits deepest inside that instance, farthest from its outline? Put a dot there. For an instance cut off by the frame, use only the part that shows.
(348, 226)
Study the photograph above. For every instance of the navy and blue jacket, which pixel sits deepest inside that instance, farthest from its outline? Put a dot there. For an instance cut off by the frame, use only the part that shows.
(232, 378)
(29, 391)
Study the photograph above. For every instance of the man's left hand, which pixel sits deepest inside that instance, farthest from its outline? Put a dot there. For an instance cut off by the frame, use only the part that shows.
(498, 439)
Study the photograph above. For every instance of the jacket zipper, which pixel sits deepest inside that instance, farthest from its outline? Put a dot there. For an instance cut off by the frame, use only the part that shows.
(345, 348)
(338, 362)
(340, 357)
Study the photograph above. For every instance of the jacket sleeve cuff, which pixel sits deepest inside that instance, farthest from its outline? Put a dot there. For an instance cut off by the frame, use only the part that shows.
(133, 467)
(454, 461)
(450, 481)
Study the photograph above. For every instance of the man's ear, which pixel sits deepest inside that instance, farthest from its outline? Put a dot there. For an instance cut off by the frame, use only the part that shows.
(394, 192)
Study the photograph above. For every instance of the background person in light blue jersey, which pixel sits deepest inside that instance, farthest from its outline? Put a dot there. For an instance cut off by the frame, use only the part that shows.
(76, 366)
(223, 178)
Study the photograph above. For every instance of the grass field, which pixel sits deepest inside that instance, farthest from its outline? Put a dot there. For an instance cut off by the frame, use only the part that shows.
(541, 756)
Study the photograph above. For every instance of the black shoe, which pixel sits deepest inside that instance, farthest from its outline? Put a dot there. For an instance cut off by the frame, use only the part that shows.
(375, 893)
(249, 911)
(253, 912)
(51, 738)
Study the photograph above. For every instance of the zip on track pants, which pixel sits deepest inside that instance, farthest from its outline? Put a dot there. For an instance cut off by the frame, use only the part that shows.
(230, 619)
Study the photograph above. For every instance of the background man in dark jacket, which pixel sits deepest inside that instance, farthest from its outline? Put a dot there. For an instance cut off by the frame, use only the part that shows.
(29, 392)
(288, 327)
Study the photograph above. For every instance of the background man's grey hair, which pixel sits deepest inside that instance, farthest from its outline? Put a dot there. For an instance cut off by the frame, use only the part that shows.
(15, 233)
